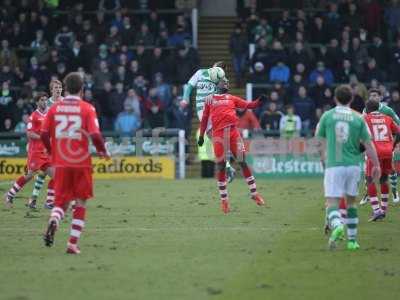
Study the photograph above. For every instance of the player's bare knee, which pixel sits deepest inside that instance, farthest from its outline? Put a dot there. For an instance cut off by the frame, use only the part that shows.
(369, 179)
(384, 179)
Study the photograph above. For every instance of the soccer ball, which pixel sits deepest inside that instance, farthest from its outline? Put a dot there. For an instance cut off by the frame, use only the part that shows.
(216, 74)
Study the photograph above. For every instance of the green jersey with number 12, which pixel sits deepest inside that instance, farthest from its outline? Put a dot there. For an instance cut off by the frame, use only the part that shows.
(343, 130)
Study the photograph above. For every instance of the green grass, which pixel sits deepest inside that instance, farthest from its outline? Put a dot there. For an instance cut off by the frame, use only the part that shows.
(169, 240)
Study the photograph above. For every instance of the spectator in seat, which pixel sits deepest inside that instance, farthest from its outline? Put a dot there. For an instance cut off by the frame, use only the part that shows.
(164, 91)
(270, 119)
(162, 38)
(155, 114)
(179, 115)
(102, 75)
(144, 36)
(299, 55)
(159, 63)
(113, 37)
(127, 31)
(7, 75)
(395, 61)
(238, 46)
(21, 125)
(290, 124)
(353, 16)
(121, 76)
(280, 72)
(8, 56)
(359, 55)
(117, 98)
(379, 52)
(127, 122)
(318, 90)
(7, 125)
(343, 76)
(319, 32)
(261, 54)
(178, 37)
(321, 70)
(263, 30)
(394, 102)
(392, 19)
(304, 107)
(107, 115)
(372, 72)
(77, 56)
(247, 120)
(135, 101)
(64, 38)
(184, 65)
(259, 75)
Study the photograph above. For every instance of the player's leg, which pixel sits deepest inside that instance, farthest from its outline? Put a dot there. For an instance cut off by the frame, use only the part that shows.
(222, 186)
(62, 185)
(231, 172)
(384, 194)
(393, 178)
(364, 200)
(77, 225)
(343, 209)
(352, 223)
(374, 201)
(16, 187)
(334, 186)
(49, 204)
(352, 176)
(37, 187)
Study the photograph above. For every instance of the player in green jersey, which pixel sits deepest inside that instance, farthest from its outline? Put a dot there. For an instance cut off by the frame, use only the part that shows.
(204, 86)
(343, 130)
(55, 87)
(375, 95)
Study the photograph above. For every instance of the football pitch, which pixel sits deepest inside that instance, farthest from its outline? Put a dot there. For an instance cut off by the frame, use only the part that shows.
(147, 239)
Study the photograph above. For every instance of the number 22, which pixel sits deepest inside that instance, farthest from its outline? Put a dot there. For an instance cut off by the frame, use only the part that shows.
(68, 126)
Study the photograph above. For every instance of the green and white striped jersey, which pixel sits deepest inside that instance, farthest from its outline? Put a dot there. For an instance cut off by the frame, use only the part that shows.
(203, 85)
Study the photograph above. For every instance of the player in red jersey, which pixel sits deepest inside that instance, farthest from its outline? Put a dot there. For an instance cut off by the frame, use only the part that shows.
(382, 129)
(221, 109)
(66, 131)
(38, 158)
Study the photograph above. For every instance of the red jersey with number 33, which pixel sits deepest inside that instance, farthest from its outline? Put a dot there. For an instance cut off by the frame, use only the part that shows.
(34, 125)
(382, 128)
(221, 108)
(70, 123)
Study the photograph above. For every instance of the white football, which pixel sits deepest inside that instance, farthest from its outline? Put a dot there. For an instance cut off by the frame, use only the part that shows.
(216, 74)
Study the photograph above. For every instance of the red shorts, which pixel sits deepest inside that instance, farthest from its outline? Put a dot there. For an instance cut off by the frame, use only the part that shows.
(38, 162)
(228, 140)
(385, 163)
(72, 184)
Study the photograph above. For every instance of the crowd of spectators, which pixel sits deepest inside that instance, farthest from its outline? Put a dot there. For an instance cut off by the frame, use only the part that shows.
(302, 55)
(134, 64)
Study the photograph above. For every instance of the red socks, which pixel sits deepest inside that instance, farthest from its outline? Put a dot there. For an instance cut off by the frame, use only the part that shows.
(77, 224)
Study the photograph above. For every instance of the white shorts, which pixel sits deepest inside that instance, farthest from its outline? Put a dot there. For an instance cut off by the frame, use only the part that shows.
(200, 115)
(342, 181)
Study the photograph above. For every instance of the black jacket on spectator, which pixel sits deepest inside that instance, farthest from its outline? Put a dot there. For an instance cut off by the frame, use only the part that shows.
(305, 108)
(380, 53)
(261, 55)
(358, 104)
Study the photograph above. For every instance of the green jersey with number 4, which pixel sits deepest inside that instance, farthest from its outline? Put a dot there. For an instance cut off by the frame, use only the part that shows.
(343, 130)
(204, 86)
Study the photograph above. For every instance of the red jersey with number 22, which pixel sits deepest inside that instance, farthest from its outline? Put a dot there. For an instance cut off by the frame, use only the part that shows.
(221, 108)
(70, 123)
(382, 128)
(35, 122)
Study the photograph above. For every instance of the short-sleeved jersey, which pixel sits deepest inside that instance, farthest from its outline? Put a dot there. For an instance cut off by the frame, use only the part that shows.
(343, 130)
(70, 123)
(382, 128)
(221, 108)
(51, 101)
(36, 119)
(204, 86)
